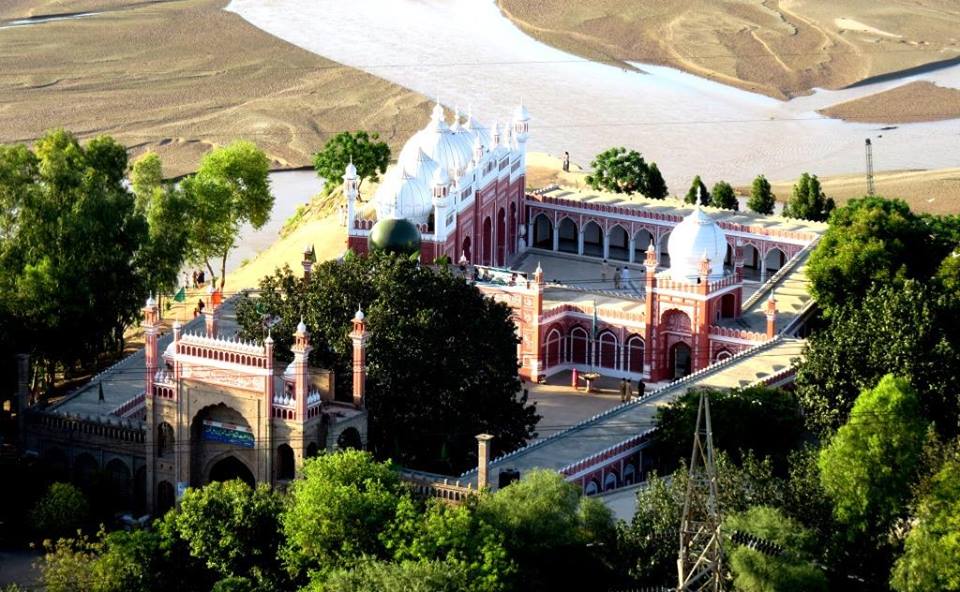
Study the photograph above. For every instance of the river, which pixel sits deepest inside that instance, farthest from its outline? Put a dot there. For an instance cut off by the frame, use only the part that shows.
(466, 52)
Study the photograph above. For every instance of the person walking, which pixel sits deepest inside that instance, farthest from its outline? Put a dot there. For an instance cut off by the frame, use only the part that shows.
(566, 162)
(624, 390)
(616, 278)
(641, 388)
(604, 269)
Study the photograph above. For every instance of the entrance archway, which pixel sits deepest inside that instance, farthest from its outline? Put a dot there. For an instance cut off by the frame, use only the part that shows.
(635, 354)
(553, 348)
(219, 431)
(728, 305)
(542, 232)
(680, 359)
(230, 468)
(465, 249)
(619, 244)
(285, 462)
(774, 260)
(350, 439)
(592, 240)
(165, 497)
(608, 345)
(579, 346)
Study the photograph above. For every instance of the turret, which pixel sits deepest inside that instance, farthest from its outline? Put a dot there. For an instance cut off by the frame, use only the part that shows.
(151, 334)
(477, 152)
(350, 190)
(440, 188)
(650, 263)
(211, 312)
(301, 351)
(359, 338)
(309, 256)
(771, 311)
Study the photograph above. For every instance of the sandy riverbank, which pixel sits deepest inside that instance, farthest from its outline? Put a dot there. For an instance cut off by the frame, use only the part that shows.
(779, 49)
(179, 77)
(916, 101)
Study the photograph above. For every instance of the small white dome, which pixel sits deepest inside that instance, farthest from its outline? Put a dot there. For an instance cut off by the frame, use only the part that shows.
(425, 168)
(521, 113)
(698, 235)
(351, 171)
(359, 316)
(440, 177)
(301, 327)
(151, 302)
(478, 132)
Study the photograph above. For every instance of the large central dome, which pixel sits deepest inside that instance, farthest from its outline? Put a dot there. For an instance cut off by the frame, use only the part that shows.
(698, 235)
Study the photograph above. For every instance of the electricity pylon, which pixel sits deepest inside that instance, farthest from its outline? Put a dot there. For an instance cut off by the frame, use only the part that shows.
(699, 563)
(869, 148)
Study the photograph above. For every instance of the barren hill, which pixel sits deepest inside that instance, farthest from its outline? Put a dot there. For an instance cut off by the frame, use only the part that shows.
(780, 48)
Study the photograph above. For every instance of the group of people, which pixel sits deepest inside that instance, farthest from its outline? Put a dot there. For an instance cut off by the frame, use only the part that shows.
(199, 278)
(621, 275)
(626, 390)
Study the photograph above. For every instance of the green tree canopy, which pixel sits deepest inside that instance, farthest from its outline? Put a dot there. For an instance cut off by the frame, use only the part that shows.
(231, 188)
(412, 312)
(369, 155)
(769, 423)
(697, 191)
(723, 196)
(754, 571)
(233, 528)
(371, 575)
(868, 467)
(73, 266)
(871, 241)
(908, 331)
(656, 186)
(761, 199)
(619, 170)
(337, 510)
(931, 555)
(61, 511)
(545, 522)
(808, 200)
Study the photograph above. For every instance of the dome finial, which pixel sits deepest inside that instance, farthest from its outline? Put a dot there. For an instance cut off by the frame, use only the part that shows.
(359, 316)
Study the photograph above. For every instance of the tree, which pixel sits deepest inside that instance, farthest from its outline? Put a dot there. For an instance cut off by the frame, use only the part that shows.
(73, 270)
(808, 201)
(868, 467)
(754, 571)
(371, 575)
(619, 170)
(656, 186)
(61, 511)
(233, 528)
(698, 191)
(146, 177)
(769, 423)
(908, 331)
(931, 554)
(455, 536)
(545, 522)
(870, 241)
(761, 199)
(231, 188)
(337, 510)
(370, 156)
(412, 312)
(723, 197)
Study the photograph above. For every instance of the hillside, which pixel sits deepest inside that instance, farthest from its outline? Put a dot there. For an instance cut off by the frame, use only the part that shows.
(154, 75)
(780, 48)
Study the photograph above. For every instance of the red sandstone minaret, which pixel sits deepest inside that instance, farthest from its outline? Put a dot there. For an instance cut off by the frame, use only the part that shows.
(771, 310)
(308, 257)
(650, 280)
(301, 351)
(151, 333)
(359, 337)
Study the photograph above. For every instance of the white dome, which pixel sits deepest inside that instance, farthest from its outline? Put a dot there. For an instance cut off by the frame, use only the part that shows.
(411, 200)
(448, 149)
(440, 177)
(478, 132)
(698, 235)
(521, 113)
(351, 171)
(425, 168)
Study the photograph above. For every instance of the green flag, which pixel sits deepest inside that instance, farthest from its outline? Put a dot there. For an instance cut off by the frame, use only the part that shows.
(180, 296)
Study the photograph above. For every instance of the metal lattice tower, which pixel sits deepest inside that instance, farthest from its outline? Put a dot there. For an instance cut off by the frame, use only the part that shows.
(869, 147)
(699, 562)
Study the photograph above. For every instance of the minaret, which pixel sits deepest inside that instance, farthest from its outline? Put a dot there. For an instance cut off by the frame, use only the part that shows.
(301, 351)
(441, 191)
(521, 132)
(703, 274)
(649, 334)
(771, 311)
(308, 257)
(531, 332)
(350, 190)
(151, 334)
(210, 311)
(359, 338)
(477, 153)
(495, 132)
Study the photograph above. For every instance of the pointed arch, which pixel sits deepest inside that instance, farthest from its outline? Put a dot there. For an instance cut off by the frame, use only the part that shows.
(542, 232)
(619, 243)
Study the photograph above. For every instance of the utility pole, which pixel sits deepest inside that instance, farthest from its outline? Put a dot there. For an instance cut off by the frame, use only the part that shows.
(869, 148)
(699, 562)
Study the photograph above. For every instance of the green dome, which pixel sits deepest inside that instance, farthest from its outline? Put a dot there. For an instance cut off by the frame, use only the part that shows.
(395, 235)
